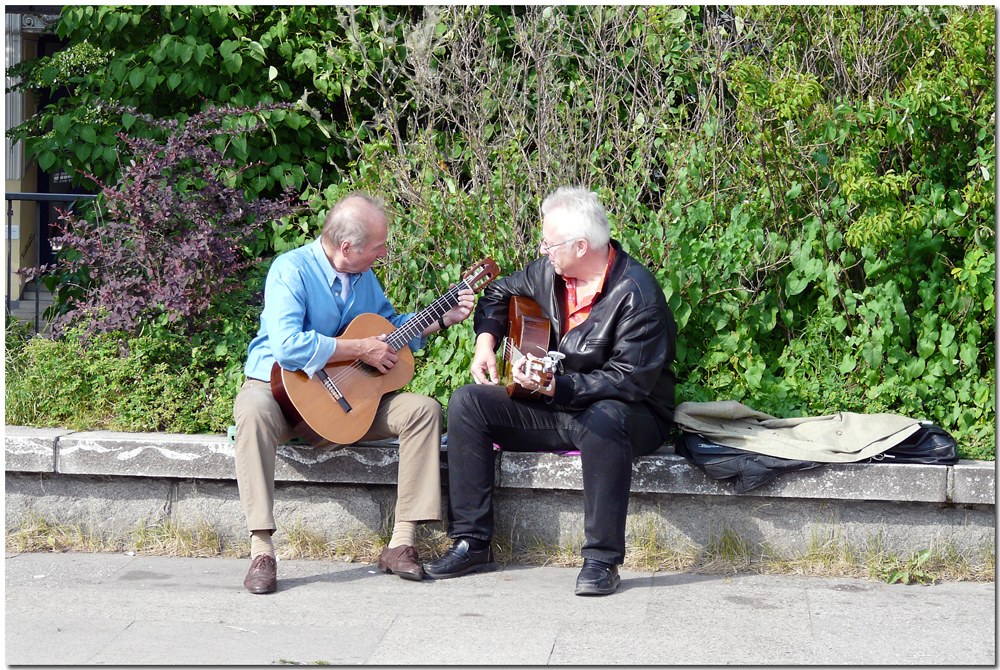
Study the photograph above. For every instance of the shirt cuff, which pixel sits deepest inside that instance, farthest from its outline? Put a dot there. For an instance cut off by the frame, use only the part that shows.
(325, 348)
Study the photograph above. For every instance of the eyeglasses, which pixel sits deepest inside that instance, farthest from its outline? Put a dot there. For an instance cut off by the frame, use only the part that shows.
(546, 248)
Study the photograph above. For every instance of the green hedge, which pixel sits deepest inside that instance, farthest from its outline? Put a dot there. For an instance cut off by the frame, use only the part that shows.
(813, 186)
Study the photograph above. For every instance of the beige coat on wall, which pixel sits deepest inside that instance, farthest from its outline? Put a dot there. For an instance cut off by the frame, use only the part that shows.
(845, 437)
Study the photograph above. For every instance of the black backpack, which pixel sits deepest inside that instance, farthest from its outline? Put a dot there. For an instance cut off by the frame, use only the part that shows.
(931, 445)
(750, 469)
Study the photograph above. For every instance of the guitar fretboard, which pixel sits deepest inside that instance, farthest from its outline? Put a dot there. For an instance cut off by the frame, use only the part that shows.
(398, 338)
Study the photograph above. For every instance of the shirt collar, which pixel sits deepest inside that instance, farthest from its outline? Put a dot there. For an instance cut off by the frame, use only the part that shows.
(329, 274)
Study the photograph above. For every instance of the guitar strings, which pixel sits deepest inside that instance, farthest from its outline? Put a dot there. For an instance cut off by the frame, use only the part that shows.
(510, 349)
(444, 303)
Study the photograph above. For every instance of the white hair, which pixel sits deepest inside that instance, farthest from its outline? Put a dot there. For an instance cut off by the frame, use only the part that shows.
(351, 218)
(589, 220)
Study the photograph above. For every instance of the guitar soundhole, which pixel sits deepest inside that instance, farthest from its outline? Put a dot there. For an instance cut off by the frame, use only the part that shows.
(369, 370)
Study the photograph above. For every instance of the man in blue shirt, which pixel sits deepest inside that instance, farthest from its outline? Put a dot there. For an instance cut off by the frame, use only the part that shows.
(310, 296)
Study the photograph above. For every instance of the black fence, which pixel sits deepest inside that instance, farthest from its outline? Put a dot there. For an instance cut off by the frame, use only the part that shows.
(70, 199)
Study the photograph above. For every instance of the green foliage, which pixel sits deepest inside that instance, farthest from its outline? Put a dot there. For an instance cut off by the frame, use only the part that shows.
(165, 381)
(173, 61)
(912, 572)
(812, 186)
(881, 303)
(118, 384)
(752, 227)
(161, 245)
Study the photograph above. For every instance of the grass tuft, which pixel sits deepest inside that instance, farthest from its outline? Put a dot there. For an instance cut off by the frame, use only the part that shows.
(167, 538)
(728, 552)
(35, 534)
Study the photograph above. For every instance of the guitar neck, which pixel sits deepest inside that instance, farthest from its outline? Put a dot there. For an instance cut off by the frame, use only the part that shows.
(414, 327)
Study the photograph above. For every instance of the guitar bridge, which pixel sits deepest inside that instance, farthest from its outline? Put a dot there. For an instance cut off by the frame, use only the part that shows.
(333, 390)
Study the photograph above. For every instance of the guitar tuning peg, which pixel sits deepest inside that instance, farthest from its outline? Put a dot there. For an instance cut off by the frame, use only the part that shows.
(552, 359)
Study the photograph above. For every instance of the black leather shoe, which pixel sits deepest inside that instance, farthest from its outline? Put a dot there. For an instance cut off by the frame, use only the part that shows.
(597, 578)
(460, 560)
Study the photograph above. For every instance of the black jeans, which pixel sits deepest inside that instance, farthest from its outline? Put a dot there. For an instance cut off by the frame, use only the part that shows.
(608, 435)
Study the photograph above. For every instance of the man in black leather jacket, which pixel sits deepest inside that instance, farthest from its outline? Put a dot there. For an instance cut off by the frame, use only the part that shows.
(611, 399)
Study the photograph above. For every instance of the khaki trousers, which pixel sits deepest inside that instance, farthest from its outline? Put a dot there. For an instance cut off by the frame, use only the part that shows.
(415, 419)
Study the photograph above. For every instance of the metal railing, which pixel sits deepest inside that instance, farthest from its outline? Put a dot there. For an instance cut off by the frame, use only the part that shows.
(69, 198)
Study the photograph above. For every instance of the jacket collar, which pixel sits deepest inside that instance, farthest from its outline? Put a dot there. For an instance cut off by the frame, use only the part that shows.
(618, 268)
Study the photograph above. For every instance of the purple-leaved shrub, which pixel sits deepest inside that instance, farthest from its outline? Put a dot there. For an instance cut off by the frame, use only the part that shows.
(168, 237)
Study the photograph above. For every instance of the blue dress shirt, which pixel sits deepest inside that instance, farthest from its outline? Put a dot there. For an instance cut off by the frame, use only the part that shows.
(303, 312)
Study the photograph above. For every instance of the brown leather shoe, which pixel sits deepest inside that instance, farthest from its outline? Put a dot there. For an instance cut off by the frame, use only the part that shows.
(401, 561)
(263, 575)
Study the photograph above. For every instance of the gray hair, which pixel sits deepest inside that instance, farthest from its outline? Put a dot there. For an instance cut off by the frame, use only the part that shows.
(350, 219)
(591, 221)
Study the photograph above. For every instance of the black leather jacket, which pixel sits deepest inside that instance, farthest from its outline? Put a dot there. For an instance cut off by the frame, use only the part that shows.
(623, 351)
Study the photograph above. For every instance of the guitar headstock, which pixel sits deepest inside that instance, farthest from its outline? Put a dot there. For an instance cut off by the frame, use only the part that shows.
(481, 274)
(541, 370)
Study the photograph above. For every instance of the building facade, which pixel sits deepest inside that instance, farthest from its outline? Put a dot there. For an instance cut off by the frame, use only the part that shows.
(25, 222)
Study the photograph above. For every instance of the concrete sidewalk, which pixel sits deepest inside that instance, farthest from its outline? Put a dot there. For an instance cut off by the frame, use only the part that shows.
(114, 609)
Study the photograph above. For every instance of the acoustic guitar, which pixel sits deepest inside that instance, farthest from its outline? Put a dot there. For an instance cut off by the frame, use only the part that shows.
(527, 335)
(339, 402)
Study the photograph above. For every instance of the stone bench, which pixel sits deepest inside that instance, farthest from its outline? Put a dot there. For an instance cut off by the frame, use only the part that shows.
(113, 481)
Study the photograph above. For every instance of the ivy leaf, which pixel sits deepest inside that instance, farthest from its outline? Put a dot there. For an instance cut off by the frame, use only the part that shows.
(62, 124)
(306, 59)
(88, 134)
(227, 48)
(235, 63)
(796, 283)
(925, 348)
(813, 269)
(848, 364)
(201, 53)
(257, 51)
(46, 160)
(915, 369)
(968, 354)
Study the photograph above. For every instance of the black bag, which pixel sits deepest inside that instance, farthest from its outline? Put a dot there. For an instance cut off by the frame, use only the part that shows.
(931, 445)
(750, 469)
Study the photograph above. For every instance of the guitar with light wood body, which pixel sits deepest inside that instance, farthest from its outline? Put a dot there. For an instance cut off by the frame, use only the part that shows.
(338, 403)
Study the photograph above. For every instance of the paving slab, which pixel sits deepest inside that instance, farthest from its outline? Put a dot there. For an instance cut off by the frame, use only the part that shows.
(115, 609)
(34, 640)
